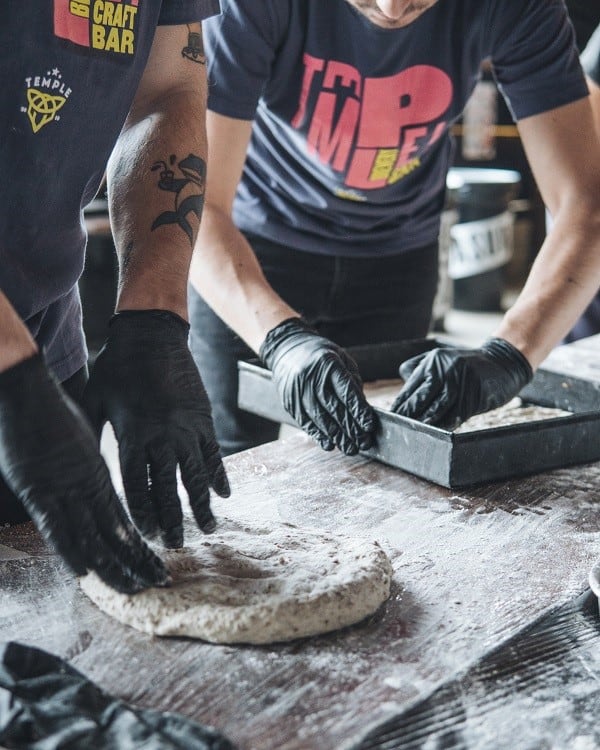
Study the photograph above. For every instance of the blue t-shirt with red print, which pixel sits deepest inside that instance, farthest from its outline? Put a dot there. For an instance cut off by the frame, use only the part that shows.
(350, 143)
(70, 70)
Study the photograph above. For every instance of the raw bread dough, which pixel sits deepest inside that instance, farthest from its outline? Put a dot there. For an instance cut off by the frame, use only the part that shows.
(382, 393)
(246, 584)
(513, 412)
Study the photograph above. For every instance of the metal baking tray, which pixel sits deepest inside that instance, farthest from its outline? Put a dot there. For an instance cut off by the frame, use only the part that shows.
(457, 459)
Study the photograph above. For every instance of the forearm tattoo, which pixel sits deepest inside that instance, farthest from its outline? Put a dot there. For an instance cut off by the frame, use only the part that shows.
(187, 188)
(194, 49)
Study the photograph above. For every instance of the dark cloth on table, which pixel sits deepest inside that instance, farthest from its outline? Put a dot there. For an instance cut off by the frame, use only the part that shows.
(45, 703)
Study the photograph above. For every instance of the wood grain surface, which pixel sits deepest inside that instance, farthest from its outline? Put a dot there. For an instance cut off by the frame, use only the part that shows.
(471, 569)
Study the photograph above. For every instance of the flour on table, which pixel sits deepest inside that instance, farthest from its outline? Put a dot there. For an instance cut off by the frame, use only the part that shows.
(247, 584)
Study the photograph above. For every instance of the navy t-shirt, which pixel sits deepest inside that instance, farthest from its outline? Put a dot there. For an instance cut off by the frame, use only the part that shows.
(70, 70)
(591, 57)
(350, 144)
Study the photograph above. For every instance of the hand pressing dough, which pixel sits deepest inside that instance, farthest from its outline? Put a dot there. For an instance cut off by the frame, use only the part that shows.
(382, 393)
(246, 584)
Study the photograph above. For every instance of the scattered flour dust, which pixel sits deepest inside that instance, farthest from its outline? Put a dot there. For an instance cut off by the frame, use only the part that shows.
(382, 393)
(247, 584)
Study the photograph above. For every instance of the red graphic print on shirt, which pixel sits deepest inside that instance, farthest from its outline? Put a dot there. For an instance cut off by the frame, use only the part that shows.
(371, 130)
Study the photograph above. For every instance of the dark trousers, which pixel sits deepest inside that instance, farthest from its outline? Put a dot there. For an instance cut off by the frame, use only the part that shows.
(352, 301)
(11, 509)
(588, 324)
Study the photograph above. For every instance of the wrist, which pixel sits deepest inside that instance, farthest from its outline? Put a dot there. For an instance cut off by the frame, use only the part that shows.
(501, 348)
(12, 355)
(282, 332)
(21, 372)
(158, 314)
(16, 342)
(145, 325)
(262, 319)
(172, 298)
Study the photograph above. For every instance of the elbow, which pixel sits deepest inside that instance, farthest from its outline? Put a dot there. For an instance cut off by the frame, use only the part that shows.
(579, 209)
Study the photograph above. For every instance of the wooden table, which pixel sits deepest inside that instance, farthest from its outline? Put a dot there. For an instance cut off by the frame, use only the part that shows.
(472, 569)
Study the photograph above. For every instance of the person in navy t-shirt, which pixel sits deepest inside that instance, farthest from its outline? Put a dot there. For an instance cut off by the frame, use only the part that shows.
(329, 130)
(84, 84)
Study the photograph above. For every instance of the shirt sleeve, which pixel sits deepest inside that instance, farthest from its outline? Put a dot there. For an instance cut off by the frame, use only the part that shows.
(174, 12)
(590, 57)
(535, 59)
(240, 47)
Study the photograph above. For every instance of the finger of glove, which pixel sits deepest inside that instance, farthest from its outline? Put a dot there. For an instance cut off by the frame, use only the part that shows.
(323, 407)
(407, 368)
(85, 549)
(132, 563)
(91, 403)
(327, 431)
(134, 470)
(116, 573)
(217, 476)
(306, 421)
(416, 396)
(356, 416)
(163, 495)
(443, 410)
(196, 482)
(352, 368)
(326, 443)
(346, 434)
(348, 447)
(55, 529)
(130, 552)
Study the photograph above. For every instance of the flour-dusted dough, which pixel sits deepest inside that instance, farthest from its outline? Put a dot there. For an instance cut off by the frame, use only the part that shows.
(382, 394)
(246, 584)
(514, 412)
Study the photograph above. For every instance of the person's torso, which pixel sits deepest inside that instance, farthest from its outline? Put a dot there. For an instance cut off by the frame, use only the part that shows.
(350, 144)
(70, 71)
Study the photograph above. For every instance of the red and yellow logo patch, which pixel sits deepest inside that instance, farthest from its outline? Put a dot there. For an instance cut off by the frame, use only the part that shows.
(104, 25)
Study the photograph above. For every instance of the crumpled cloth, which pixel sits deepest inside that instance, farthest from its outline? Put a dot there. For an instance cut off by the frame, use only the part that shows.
(45, 704)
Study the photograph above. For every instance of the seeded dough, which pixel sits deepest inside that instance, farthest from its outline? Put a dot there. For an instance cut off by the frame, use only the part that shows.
(514, 412)
(246, 584)
(382, 394)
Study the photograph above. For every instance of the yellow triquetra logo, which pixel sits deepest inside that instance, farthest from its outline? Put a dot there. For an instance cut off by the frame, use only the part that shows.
(42, 107)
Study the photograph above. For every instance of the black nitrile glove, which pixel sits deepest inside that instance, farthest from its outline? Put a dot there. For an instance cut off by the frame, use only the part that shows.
(146, 384)
(320, 386)
(446, 386)
(49, 458)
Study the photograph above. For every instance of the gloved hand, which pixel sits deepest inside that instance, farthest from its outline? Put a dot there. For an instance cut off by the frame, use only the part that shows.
(146, 384)
(50, 460)
(446, 386)
(320, 386)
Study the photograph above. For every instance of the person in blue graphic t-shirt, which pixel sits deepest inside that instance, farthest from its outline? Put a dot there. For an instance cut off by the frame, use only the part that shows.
(124, 83)
(329, 139)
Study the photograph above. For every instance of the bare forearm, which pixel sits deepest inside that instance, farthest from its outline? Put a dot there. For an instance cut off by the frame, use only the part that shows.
(156, 191)
(226, 273)
(16, 343)
(564, 278)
